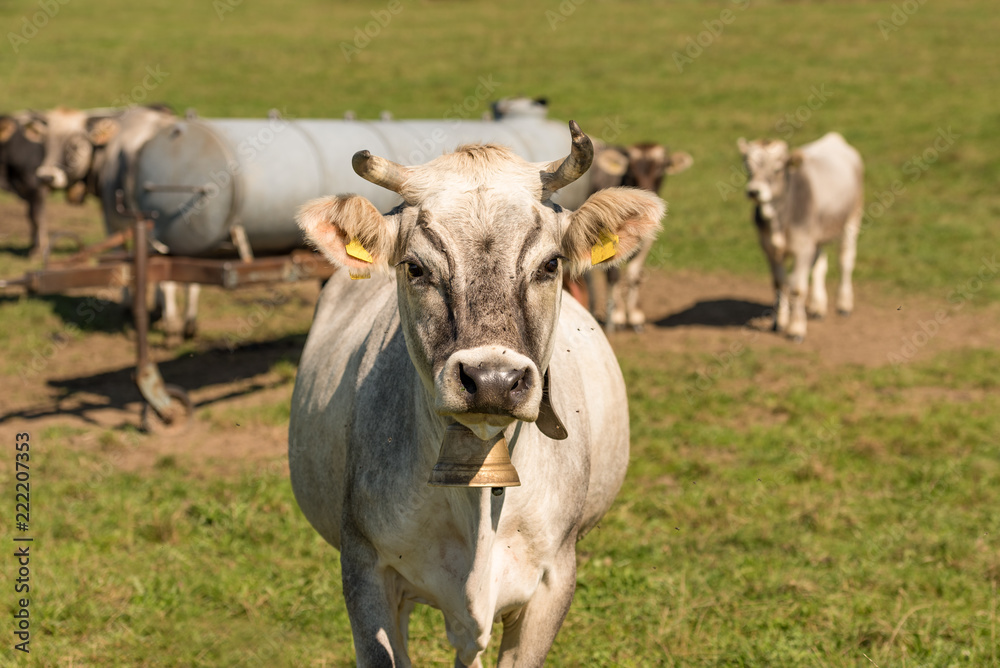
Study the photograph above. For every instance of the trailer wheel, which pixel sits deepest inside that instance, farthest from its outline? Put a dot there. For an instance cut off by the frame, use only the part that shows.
(181, 413)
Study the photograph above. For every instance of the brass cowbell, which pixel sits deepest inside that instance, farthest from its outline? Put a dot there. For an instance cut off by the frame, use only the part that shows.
(467, 461)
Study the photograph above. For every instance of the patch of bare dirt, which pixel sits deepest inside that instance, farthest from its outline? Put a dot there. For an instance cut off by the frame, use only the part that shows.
(689, 311)
(85, 394)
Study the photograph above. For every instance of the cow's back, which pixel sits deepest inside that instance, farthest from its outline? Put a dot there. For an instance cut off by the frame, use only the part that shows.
(835, 174)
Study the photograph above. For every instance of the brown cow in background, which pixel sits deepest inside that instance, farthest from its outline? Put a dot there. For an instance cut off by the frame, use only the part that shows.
(643, 166)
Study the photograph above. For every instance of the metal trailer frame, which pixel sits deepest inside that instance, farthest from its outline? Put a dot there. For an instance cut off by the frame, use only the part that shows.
(167, 407)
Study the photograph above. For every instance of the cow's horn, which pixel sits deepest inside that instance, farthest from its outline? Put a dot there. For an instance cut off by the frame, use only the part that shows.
(380, 171)
(563, 172)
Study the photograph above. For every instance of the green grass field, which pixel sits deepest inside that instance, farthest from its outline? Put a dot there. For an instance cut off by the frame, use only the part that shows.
(788, 515)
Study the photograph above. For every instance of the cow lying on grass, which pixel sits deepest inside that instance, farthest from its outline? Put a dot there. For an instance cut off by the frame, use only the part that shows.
(802, 201)
(468, 331)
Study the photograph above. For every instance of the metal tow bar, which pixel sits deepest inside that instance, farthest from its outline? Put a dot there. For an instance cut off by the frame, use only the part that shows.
(168, 408)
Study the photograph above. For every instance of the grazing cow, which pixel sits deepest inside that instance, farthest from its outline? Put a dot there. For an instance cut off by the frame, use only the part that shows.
(470, 328)
(22, 151)
(639, 166)
(804, 199)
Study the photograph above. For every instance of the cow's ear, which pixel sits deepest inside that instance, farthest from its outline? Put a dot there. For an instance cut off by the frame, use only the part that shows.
(743, 145)
(8, 126)
(35, 130)
(679, 161)
(794, 160)
(101, 130)
(350, 232)
(611, 161)
(610, 226)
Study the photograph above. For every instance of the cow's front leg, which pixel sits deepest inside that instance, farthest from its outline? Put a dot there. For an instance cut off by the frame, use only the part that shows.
(528, 633)
(816, 308)
(39, 228)
(780, 277)
(373, 607)
(798, 285)
(632, 274)
(848, 254)
(614, 306)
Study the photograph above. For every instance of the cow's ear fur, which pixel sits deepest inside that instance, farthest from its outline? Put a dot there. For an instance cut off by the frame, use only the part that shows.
(331, 223)
(631, 214)
(35, 130)
(743, 145)
(795, 159)
(679, 161)
(101, 130)
(8, 126)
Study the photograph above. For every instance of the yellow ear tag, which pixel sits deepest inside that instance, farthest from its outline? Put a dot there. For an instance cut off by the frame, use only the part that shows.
(605, 248)
(357, 251)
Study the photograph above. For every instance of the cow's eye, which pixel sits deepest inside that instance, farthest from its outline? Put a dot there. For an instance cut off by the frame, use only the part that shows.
(549, 268)
(414, 270)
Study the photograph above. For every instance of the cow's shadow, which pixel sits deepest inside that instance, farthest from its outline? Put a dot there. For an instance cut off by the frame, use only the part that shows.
(220, 366)
(718, 313)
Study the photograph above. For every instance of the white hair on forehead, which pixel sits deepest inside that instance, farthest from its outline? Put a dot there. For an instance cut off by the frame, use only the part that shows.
(484, 167)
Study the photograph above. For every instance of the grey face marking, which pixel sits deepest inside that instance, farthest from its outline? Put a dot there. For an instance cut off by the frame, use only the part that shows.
(482, 280)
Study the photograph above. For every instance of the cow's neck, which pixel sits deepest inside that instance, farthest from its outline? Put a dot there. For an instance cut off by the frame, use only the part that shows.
(97, 161)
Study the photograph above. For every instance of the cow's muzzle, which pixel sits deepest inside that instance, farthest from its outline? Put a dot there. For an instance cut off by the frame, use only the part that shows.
(52, 177)
(485, 388)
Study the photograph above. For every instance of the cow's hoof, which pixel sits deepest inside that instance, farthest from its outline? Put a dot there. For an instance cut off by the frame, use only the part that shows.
(817, 316)
(843, 313)
(177, 418)
(190, 330)
(637, 329)
(796, 338)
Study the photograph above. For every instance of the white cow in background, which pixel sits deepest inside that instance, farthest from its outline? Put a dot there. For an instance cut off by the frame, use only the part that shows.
(804, 199)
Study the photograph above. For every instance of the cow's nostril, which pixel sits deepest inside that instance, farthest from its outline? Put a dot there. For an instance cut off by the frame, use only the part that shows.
(520, 383)
(467, 381)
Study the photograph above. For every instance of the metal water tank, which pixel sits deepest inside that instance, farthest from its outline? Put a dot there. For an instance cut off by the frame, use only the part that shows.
(199, 178)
